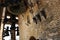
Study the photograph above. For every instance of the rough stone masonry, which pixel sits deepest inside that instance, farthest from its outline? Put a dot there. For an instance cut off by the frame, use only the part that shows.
(42, 21)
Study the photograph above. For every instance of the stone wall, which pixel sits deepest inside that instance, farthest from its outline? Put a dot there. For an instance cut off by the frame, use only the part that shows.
(27, 27)
(46, 27)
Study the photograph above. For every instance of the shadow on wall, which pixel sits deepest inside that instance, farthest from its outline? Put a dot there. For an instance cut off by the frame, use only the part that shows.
(32, 38)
